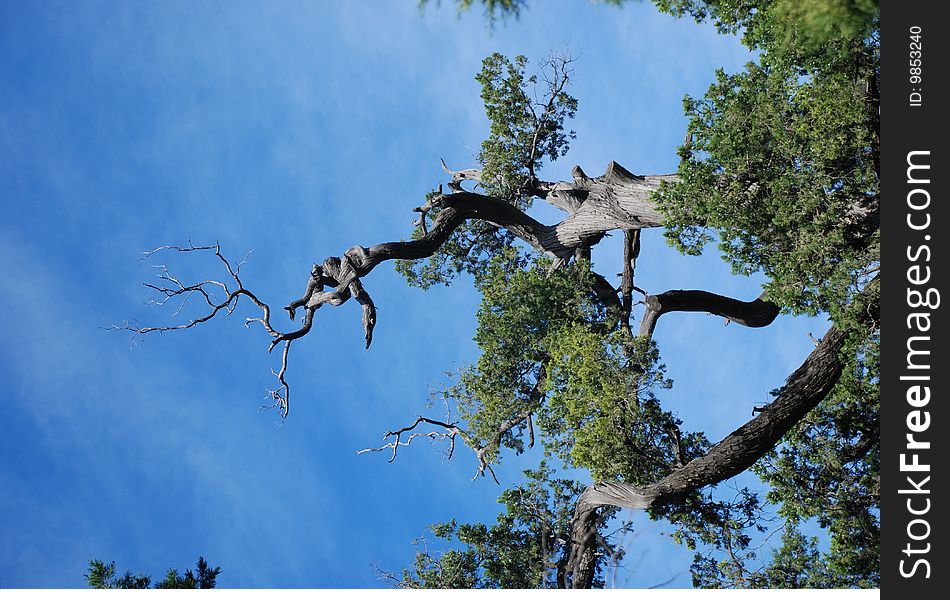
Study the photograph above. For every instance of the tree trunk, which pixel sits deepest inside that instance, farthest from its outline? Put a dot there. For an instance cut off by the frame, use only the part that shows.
(738, 451)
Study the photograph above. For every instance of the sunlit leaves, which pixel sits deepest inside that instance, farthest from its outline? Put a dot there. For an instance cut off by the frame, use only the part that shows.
(526, 115)
(602, 413)
(523, 306)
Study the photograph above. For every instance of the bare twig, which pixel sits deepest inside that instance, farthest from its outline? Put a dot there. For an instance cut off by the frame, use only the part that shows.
(171, 287)
(448, 433)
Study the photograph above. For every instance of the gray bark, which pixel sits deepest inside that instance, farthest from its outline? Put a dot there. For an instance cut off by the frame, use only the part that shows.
(738, 451)
(803, 390)
(616, 200)
(758, 313)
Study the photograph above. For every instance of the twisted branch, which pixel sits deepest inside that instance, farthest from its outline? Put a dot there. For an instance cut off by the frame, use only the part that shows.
(757, 313)
(616, 200)
(208, 290)
(803, 390)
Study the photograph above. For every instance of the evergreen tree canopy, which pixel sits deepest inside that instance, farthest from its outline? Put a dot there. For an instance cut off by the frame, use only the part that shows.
(781, 168)
(102, 576)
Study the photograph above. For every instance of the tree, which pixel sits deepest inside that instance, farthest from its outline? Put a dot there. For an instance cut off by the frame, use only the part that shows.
(780, 166)
(525, 548)
(103, 576)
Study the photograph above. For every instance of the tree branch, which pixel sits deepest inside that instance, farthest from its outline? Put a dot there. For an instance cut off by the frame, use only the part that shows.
(208, 290)
(757, 313)
(631, 250)
(617, 200)
(450, 429)
(803, 390)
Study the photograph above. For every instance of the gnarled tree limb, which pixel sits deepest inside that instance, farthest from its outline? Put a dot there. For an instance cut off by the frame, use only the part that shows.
(803, 390)
(757, 313)
(618, 199)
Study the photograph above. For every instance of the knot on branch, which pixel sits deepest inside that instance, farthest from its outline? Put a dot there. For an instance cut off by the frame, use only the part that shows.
(351, 263)
(314, 284)
(462, 175)
(433, 200)
(616, 174)
(578, 174)
(341, 275)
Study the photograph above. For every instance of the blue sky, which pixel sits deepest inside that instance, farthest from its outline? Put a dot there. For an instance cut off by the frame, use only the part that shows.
(294, 130)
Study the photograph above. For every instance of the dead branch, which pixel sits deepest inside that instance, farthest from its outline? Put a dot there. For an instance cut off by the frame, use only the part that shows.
(616, 200)
(448, 433)
(218, 297)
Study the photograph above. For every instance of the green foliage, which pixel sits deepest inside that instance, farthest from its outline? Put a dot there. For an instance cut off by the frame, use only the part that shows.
(103, 576)
(523, 130)
(795, 564)
(602, 413)
(776, 170)
(526, 116)
(495, 10)
(524, 548)
(787, 26)
(522, 308)
(828, 470)
(782, 166)
(500, 10)
(801, 24)
(546, 347)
